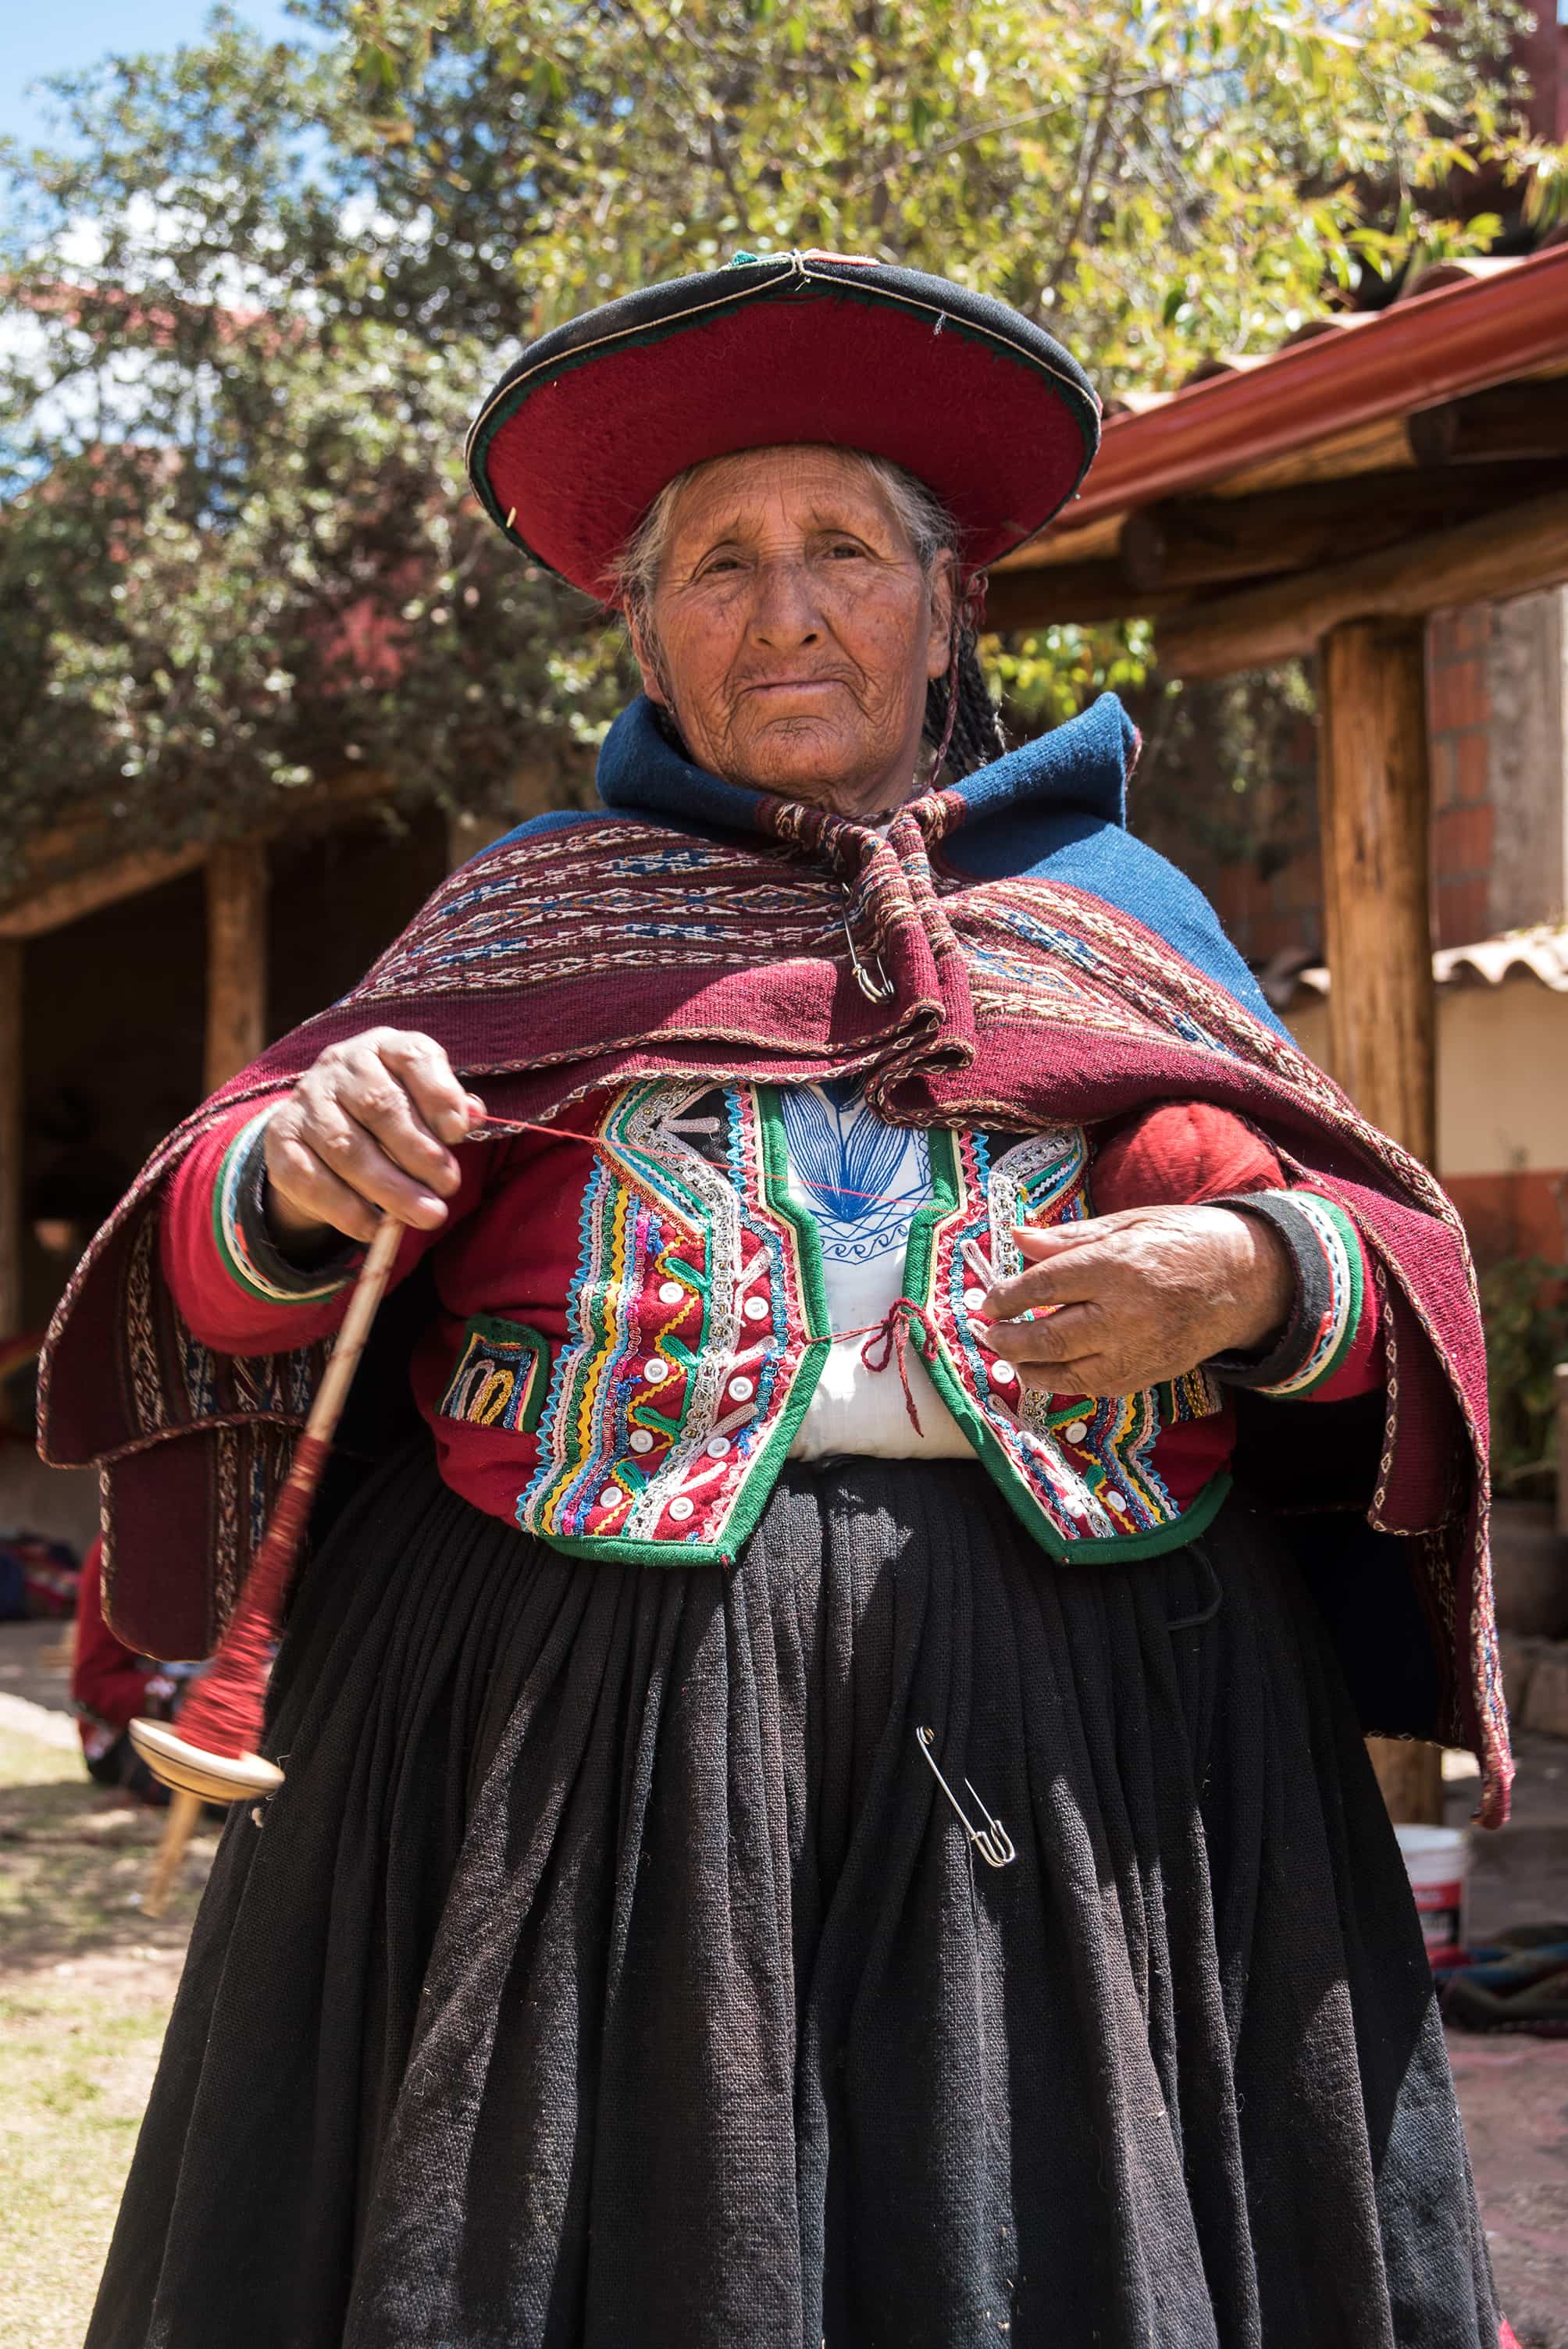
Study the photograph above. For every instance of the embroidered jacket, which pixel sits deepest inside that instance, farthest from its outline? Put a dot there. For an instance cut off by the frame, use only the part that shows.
(633, 1316)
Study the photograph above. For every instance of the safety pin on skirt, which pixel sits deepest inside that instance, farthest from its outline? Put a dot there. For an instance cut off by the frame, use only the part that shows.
(994, 1844)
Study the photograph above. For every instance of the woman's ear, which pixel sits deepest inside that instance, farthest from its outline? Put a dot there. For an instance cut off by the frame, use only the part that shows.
(648, 666)
(943, 611)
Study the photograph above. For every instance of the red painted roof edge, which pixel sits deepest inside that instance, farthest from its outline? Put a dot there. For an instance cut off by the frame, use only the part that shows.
(1433, 346)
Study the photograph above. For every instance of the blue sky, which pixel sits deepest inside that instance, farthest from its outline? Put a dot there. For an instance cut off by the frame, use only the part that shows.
(48, 37)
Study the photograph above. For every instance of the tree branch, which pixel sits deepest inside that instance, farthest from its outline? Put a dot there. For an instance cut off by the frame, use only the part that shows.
(1095, 147)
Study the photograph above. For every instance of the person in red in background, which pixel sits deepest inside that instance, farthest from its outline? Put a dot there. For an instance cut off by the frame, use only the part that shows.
(111, 1687)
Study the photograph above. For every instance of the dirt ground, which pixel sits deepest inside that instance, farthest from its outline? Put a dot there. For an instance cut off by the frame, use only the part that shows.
(86, 1985)
(1513, 2092)
(87, 1981)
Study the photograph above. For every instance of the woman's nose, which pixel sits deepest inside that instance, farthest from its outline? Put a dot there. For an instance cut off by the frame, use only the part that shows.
(785, 611)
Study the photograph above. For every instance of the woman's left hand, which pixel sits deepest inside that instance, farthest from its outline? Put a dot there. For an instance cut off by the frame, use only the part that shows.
(1139, 1297)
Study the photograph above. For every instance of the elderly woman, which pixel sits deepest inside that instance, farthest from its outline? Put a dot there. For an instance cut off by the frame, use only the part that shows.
(821, 1803)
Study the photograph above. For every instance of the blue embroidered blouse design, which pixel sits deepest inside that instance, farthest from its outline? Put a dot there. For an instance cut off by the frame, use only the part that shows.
(865, 1179)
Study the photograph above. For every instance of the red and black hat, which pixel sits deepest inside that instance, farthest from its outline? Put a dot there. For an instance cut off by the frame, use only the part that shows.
(579, 438)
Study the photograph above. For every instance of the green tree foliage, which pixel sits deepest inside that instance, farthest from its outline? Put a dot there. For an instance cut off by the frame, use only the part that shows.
(1525, 1305)
(256, 292)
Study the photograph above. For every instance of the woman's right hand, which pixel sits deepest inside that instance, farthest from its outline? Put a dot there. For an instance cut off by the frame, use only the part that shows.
(368, 1128)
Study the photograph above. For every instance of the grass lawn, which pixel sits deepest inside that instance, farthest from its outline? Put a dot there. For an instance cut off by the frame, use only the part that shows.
(86, 1983)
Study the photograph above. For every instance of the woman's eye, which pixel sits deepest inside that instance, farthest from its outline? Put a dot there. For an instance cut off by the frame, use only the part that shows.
(846, 547)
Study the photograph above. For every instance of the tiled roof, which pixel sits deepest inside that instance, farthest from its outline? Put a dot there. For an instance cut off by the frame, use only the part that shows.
(1252, 420)
(1541, 954)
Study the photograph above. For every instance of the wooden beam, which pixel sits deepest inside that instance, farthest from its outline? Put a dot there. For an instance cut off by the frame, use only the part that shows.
(47, 899)
(51, 908)
(1203, 542)
(1070, 593)
(1374, 801)
(1511, 553)
(1513, 421)
(1377, 448)
(236, 958)
(1060, 542)
(1380, 449)
(11, 1082)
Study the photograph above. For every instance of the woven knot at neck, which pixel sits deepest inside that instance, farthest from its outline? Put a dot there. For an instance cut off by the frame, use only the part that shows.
(898, 938)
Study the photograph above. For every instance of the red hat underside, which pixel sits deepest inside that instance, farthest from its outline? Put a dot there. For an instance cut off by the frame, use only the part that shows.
(589, 451)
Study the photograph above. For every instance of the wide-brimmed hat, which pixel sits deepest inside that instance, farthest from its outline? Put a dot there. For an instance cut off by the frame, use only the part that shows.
(577, 438)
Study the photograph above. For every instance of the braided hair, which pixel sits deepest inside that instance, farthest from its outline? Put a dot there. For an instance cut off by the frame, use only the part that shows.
(978, 734)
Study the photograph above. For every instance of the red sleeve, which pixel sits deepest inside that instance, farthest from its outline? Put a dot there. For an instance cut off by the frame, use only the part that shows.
(1183, 1152)
(1178, 1154)
(227, 1303)
(106, 1681)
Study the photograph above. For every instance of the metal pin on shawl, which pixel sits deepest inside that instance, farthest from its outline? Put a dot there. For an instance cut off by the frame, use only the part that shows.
(877, 989)
(994, 1844)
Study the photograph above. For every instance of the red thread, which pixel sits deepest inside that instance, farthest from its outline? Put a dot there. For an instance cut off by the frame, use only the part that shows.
(893, 1332)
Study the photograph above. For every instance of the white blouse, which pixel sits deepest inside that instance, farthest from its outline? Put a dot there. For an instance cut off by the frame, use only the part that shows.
(864, 1181)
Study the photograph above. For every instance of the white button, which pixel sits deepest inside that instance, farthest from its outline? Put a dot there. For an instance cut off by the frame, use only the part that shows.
(609, 1499)
(719, 1447)
(656, 1370)
(642, 1439)
(741, 1389)
(670, 1292)
(681, 1508)
(757, 1309)
(974, 1299)
(1076, 1430)
(1003, 1373)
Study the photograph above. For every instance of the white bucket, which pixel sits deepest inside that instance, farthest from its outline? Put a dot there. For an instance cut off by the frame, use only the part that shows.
(1437, 1860)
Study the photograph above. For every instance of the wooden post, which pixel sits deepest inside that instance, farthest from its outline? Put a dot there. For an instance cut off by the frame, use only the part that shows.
(236, 957)
(1373, 795)
(11, 951)
(1374, 818)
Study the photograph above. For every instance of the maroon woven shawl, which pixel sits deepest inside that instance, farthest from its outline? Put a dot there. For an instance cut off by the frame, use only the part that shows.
(588, 956)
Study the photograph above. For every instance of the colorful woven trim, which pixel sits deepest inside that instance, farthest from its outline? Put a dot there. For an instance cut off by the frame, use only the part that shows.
(500, 1376)
(1079, 1471)
(1331, 1297)
(242, 1260)
(693, 1341)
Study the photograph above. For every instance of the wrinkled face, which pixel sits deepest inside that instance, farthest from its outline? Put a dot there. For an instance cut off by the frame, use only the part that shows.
(792, 631)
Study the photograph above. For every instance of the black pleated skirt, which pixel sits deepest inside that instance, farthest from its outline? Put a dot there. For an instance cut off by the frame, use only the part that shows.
(613, 1968)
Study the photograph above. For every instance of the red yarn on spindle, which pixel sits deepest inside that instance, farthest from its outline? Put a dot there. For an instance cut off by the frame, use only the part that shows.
(224, 1711)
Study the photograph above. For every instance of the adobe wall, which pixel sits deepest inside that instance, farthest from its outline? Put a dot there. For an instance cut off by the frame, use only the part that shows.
(1502, 1110)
